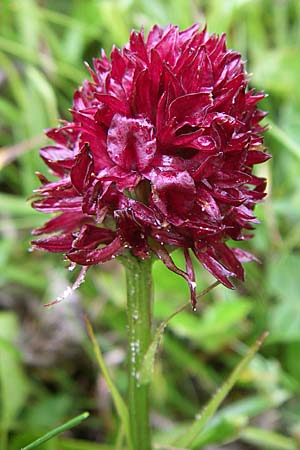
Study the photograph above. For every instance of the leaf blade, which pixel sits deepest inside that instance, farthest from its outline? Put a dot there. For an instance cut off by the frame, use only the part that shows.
(195, 429)
(146, 371)
(118, 400)
(66, 426)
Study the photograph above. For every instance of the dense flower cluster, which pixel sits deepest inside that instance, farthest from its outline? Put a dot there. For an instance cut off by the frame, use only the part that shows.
(159, 155)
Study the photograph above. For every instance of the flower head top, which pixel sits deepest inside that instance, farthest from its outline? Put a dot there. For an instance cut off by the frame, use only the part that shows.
(159, 155)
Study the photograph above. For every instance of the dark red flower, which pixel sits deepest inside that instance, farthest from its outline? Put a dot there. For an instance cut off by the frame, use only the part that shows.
(159, 155)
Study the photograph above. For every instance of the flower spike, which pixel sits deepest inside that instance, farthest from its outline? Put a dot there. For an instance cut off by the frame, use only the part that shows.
(159, 156)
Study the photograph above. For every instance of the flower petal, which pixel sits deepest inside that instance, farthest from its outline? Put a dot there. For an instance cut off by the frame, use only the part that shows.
(130, 142)
(98, 255)
(214, 267)
(57, 243)
(173, 192)
(164, 256)
(191, 108)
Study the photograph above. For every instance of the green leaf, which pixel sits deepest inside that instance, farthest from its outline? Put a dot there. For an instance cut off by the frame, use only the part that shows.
(220, 15)
(48, 412)
(9, 113)
(227, 428)
(209, 410)
(80, 444)
(46, 93)
(176, 349)
(28, 55)
(277, 71)
(118, 400)
(218, 324)
(146, 371)
(268, 439)
(15, 83)
(66, 426)
(27, 24)
(116, 15)
(232, 419)
(235, 413)
(14, 386)
(283, 138)
(17, 206)
(284, 283)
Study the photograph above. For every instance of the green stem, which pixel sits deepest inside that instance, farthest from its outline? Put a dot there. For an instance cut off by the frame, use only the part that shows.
(139, 310)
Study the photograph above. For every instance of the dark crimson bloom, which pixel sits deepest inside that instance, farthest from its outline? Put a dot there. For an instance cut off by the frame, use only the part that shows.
(159, 155)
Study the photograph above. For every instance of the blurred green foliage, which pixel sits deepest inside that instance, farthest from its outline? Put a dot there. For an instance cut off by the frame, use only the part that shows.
(46, 369)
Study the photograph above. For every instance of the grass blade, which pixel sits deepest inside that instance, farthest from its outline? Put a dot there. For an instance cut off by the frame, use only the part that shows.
(70, 424)
(195, 429)
(148, 362)
(16, 205)
(9, 154)
(80, 444)
(45, 92)
(118, 400)
(283, 138)
(268, 439)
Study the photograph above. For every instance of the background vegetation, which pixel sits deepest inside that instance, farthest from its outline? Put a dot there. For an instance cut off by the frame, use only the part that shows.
(47, 372)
